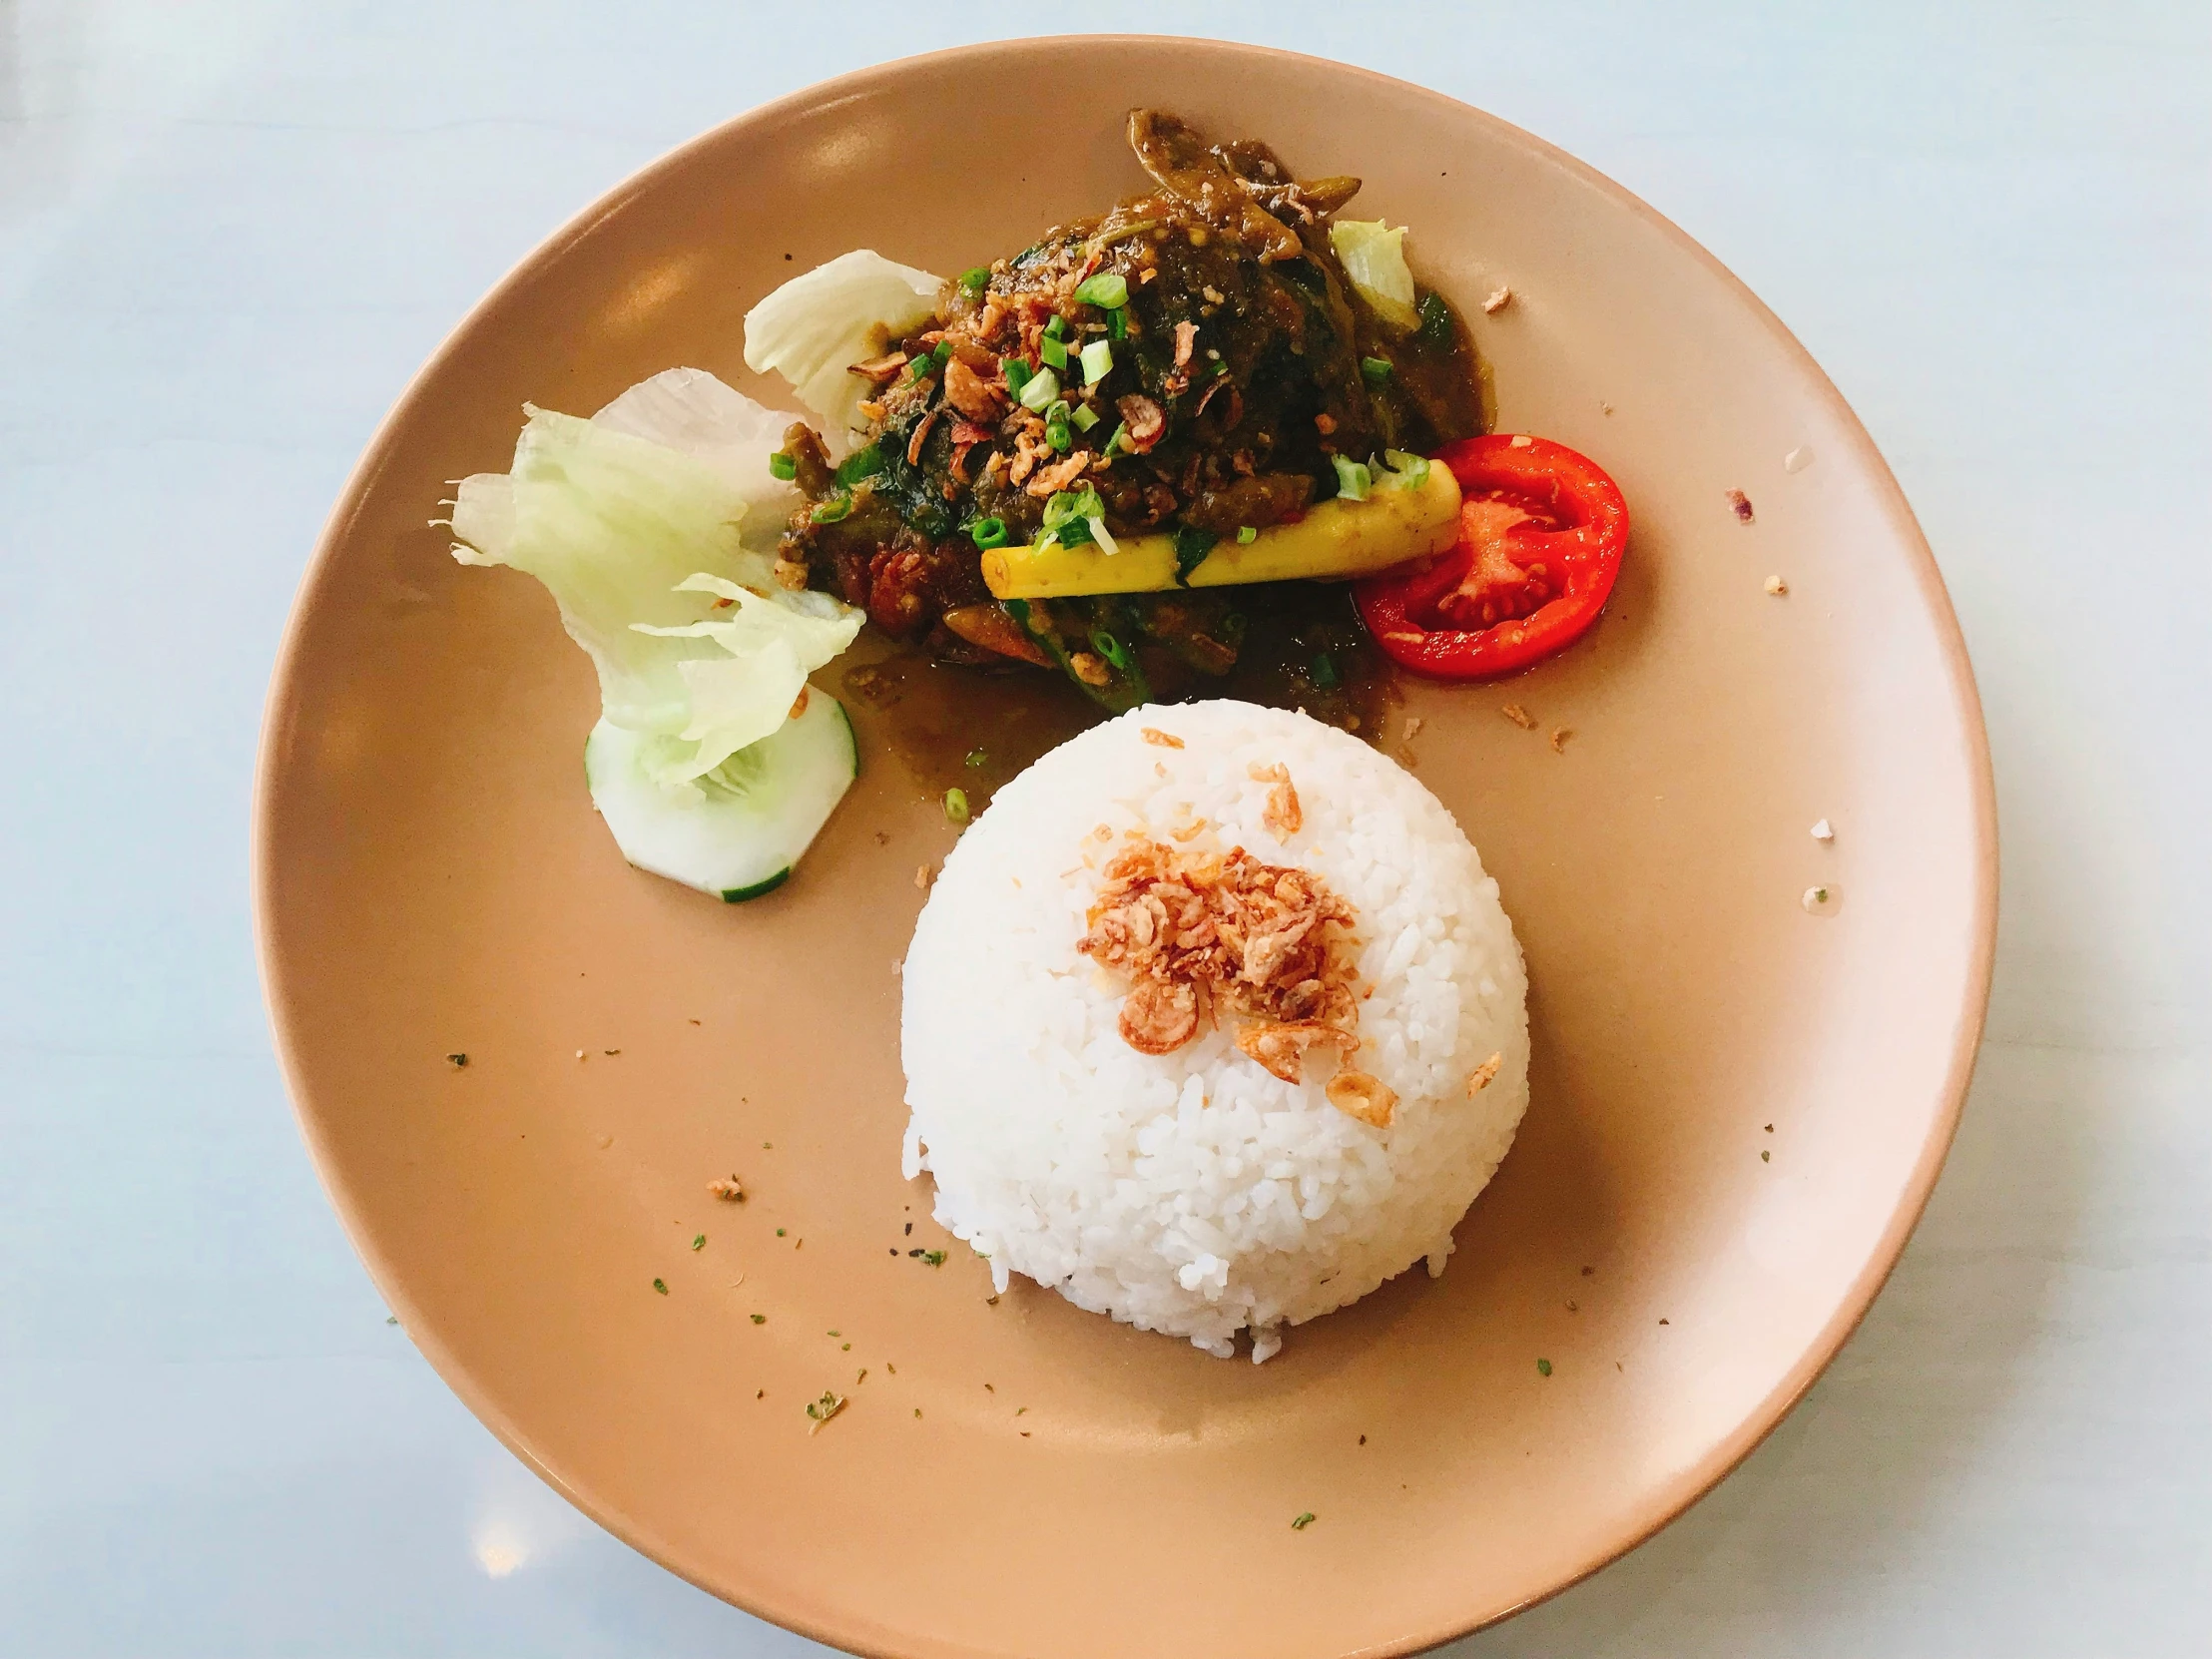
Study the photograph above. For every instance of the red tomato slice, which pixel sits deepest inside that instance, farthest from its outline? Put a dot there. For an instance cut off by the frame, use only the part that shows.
(1541, 533)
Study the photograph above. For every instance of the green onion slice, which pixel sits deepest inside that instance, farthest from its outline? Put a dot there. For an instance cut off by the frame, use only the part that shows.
(1039, 390)
(1376, 369)
(1052, 352)
(976, 279)
(1085, 417)
(988, 532)
(1098, 361)
(1352, 478)
(1017, 373)
(780, 465)
(1108, 288)
(1409, 471)
(1246, 535)
(831, 511)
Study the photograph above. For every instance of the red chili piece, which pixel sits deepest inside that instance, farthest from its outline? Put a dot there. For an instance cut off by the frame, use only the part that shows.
(1541, 532)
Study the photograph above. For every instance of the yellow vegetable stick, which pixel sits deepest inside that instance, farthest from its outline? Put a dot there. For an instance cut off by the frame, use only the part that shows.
(1338, 538)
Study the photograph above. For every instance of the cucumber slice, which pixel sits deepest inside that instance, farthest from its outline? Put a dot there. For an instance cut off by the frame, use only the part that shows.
(740, 832)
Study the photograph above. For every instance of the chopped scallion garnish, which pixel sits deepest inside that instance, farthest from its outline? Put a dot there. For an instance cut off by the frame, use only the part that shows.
(1098, 361)
(1117, 325)
(1017, 373)
(1052, 352)
(1352, 478)
(1085, 417)
(1039, 390)
(1376, 369)
(780, 465)
(831, 511)
(1246, 535)
(988, 532)
(976, 279)
(955, 805)
(1056, 326)
(1411, 470)
(1108, 288)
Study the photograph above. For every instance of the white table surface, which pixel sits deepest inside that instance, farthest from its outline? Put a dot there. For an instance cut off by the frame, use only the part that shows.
(229, 233)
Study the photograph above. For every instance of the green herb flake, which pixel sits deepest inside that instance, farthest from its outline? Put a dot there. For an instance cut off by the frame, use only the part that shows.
(935, 1257)
(976, 279)
(955, 805)
(1325, 672)
(698, 1243)
(780, 465)
(831, 510)
(391, 1318)
(1766, 1157)
(1191, 547)
(861, 464)
(827, 1407)
(778, 1232)
(456, 1061)
(1302, 1522)
(661, 1285)
(760, 1319)
(1543, 1368)
(974, 758)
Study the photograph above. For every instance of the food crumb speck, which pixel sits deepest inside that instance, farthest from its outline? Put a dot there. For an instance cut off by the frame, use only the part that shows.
(1798, 459)
(456, 1061)
(1519, 717)
(1543, 1368)
(1301, 1521)
(1818, 899)
(1414, 724)
(1559, 737)
(729, 1189)
(1824, 830)
(1776, 586)
(1766, 1157)
(1497, 300)
(1740, 504)
(923, 876)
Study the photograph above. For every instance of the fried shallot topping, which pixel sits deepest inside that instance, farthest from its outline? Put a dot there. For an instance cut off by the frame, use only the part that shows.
(1282, 815)
(1199, 935)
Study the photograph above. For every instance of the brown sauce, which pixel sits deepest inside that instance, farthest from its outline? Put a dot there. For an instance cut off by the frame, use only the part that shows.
(975, 728)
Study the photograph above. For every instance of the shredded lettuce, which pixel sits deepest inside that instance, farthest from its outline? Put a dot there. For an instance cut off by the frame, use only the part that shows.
(637, 539)
(1374, 256)
(815, 327)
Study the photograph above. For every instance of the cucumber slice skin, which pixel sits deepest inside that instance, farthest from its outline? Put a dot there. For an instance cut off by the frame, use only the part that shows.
(737, 843)
(759, 890)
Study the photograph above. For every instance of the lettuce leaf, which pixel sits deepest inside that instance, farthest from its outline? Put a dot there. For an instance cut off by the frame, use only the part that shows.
(637, 540)
(815, 327)
(1374, 256)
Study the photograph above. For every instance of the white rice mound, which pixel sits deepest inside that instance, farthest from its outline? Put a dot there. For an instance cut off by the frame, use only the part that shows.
(1195, 1193)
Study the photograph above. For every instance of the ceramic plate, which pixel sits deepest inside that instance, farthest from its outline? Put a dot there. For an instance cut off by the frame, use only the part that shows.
(1739, 1106)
